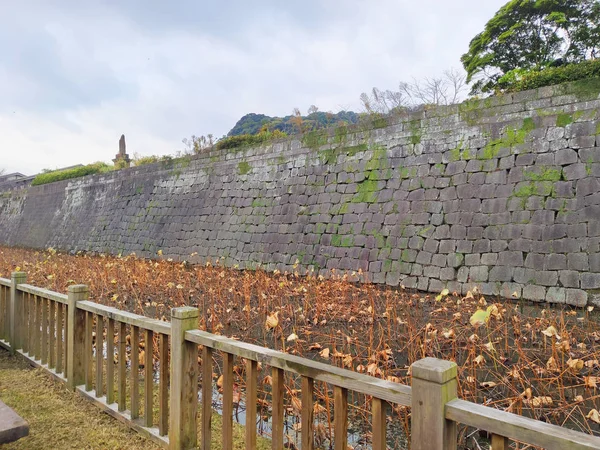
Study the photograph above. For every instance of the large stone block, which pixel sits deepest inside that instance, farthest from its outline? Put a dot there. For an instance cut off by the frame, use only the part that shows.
(569, 278)
(590, 280)
(556, 295)
(534, 293)
(479, 274)
(576, 297)
(501, 273)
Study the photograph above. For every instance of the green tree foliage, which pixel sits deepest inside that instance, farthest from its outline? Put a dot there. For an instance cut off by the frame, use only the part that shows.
(532, 35)
(315, 120)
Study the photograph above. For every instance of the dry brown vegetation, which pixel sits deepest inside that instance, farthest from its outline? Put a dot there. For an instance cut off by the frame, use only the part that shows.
(536, 360)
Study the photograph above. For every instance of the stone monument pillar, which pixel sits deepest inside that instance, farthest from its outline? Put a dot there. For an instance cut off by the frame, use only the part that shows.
(122, 157)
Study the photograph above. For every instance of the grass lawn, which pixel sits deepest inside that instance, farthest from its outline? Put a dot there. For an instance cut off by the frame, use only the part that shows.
(61, 419)
(58, 418)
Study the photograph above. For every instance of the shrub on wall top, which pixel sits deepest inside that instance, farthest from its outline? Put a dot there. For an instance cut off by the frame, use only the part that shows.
(60, 175)
(522, 80)
(243, 140)
(144, 160)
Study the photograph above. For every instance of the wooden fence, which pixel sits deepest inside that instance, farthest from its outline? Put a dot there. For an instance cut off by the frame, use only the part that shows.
(59, 332)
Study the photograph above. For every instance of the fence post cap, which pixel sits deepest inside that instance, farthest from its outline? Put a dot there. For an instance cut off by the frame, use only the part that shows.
(78, 288)
(185, 312)
(434, 370)
(18, 274)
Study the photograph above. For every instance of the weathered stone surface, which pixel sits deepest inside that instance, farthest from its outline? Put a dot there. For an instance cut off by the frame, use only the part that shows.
(535, 293)
(576, 297)
(590, 280)
(556, 295)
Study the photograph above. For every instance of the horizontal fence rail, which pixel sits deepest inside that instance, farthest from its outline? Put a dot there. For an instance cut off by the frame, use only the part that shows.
(145, 373)
(507, 425)
(357, 382)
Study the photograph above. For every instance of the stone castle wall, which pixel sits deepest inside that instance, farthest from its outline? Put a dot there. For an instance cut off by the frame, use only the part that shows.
(503, 193)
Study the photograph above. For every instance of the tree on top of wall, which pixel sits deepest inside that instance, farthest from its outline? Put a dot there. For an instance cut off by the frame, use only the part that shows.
(532, 35)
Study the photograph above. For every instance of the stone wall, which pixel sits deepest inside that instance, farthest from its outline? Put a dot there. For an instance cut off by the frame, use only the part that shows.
(503, 193)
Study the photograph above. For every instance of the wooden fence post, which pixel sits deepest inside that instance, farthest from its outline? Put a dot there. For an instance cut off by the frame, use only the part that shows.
(434, 383)
(76, 336)
(16, 311)
(183, 426)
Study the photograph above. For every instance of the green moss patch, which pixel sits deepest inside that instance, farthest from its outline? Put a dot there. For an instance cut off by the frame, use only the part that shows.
(540, 188)
(416, 133)
(379, 159)
(342, 241)
(459, 153)
(562, 120)
(329, 156)
(544, 174)
(513, 137)
(244, 168)
(314, 139)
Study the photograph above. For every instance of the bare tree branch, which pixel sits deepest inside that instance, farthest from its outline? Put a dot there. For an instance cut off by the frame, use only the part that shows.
(447, 89)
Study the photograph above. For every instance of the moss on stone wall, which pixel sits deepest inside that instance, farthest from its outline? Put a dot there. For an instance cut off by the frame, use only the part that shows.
(244, 168)
(512, 137)
(562, 120)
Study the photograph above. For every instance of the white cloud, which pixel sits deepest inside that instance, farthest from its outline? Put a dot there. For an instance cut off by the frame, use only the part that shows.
(82, 75)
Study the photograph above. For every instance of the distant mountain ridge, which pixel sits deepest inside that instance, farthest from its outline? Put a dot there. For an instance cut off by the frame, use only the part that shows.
(252, 123)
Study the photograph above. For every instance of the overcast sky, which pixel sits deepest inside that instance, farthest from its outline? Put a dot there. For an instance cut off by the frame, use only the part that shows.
(74, 77)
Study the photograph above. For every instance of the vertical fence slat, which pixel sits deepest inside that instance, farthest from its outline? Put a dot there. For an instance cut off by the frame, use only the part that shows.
(88, 356)
(183, 417)
(134, 343)
(3, 312)
(148, 378)
(379, 424)
(44, 349)
(277, 398)
(75, 324)
(99, 355)
(4, 296)
(16, 311)
(4, 304)
(26, 322)
(251, 402)
(340, 405)
(206, 397)
(499, 442)
(227, 401)
(31, 311)
(122, 372)
(52, 334)
(67, 337)
(163, 385)
(110, 361)
(37, 328)
(7, 309)
(307, 413)
(59, 337)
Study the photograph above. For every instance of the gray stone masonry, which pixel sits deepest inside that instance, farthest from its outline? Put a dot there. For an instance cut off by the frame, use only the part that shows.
(493, 192)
